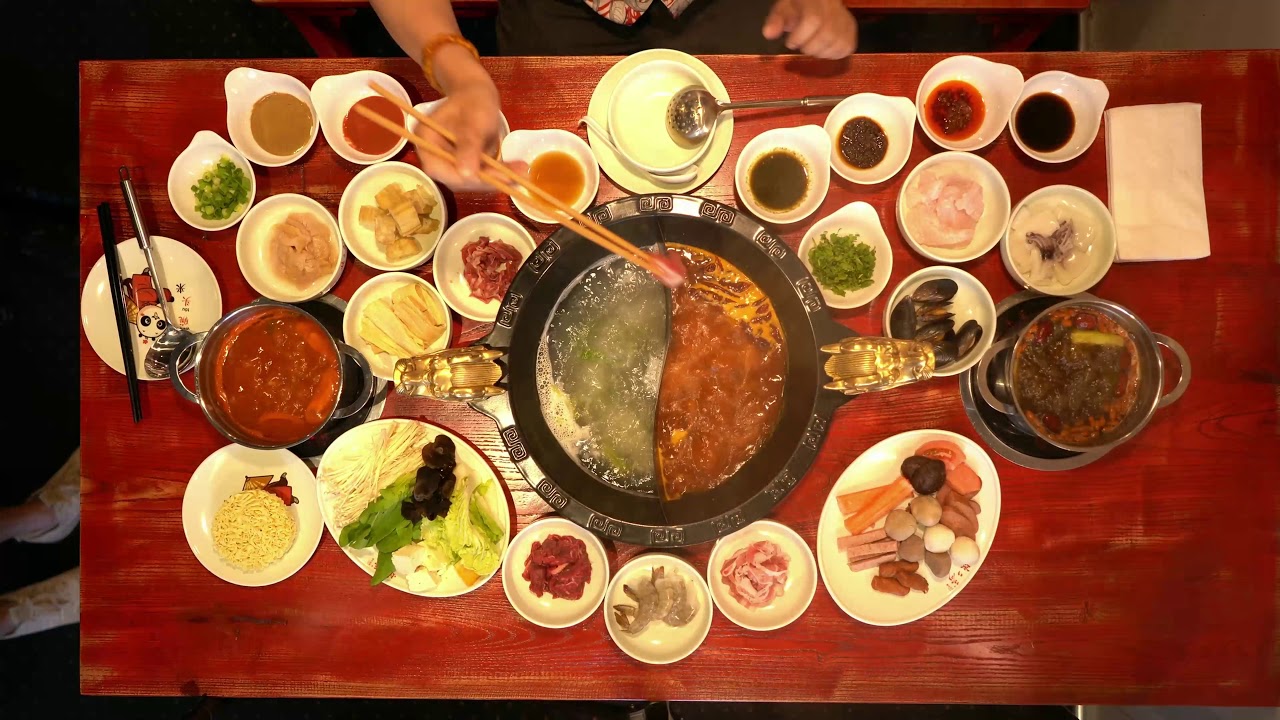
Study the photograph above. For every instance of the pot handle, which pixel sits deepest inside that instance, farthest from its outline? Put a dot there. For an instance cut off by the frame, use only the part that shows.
(1184, 370)
(189, 344)
(366, 381)
(463, 374)
(984, 377)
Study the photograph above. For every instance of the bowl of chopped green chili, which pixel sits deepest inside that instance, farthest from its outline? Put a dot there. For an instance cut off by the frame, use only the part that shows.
(848, 254)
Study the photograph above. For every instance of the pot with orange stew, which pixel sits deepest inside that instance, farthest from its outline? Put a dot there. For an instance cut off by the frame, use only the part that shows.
(268, 375)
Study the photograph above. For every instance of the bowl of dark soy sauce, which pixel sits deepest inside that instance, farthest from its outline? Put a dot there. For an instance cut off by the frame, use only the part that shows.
(1057, 116)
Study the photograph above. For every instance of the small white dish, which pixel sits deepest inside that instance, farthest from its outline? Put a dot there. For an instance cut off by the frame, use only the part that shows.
(797, 593)
(878, 466)
(244, 87)
(448, 266)
(625, 174)
(896, 116)
(971, 302)
(222, 475)
(547, 611)
(376, 288)
(199, 157)
(991, 224)
(253, 245)
(861, 219)
(812, 144)
(659, 643)
(193, 293)
(361, 191)
(428, 108)
(1105, 243)
(997, 83)
(334, 96)
(638, 116)
(1087, 98)
(473, 468)
(526, 145)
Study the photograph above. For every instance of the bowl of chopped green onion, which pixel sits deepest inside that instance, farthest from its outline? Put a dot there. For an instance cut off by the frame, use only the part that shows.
(211, 184)
(848, 254)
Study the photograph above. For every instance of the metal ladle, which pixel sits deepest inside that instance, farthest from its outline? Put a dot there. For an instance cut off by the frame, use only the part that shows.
(691, 113)
(156, 363)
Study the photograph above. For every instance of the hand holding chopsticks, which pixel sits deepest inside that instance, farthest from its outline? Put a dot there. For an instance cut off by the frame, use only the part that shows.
(666, 268)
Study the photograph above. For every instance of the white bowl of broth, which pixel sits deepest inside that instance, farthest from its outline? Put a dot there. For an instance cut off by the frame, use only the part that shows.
(560, 162)
(270, 116)
(1058, 115)
(783, 175)
(871, 136)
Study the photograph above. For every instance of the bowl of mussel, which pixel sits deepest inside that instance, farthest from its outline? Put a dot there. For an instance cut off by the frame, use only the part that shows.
(947, 308)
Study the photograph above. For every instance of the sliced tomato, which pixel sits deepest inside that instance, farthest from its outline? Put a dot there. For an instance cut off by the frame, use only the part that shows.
(946, 451)
(963, 480)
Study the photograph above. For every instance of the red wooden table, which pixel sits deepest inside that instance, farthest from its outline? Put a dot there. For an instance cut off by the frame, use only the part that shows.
(1148, 577)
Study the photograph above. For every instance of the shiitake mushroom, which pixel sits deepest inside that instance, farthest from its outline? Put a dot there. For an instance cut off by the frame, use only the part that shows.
(927, 475)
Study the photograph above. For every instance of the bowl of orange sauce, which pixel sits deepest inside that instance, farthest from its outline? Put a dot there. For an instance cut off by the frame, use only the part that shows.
(268, 375)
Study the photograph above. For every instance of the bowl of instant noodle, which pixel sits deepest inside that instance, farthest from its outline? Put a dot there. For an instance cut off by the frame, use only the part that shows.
(251, 516)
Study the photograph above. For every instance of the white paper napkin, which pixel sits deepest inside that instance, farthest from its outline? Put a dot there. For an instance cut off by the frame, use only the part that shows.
(1155, 180)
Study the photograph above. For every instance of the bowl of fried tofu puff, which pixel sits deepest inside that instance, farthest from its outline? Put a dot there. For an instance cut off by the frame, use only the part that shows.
(391, 216)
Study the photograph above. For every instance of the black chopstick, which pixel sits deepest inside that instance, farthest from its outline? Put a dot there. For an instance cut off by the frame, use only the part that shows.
(117, 300)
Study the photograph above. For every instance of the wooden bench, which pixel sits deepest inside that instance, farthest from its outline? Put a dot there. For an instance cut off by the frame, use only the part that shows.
(319, 21)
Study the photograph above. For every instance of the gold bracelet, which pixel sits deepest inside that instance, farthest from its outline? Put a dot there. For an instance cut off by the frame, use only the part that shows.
(434, 44)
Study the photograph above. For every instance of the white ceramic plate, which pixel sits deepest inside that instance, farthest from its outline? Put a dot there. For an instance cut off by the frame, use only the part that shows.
(222, 475)
(659, 644)
(244, 87)
(1087, 98)
(862, 219)
(526, 145)
(615, 168)
(971, 302)
(252, 246)
(797, 593)
(896, 116)
(198, 158)
(998, 84)
(809, 142)
(471, 464)
(361, 191)
(879, 466)
(382, 364)
(197, 301)
(547, 611)
(1106, 243)
(448, 265)
(992, 224)
(335, 95)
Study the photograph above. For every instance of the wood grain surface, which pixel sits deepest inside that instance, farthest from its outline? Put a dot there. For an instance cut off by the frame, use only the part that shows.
(1148, 577)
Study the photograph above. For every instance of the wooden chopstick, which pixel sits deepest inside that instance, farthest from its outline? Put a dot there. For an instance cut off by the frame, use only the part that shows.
(546, 202)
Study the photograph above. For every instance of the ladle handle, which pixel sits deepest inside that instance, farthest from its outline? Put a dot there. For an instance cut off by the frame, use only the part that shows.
(811, 101)
(984, 377)
(366, 382)
(144, 238)
(188, 344)
(1184, 370)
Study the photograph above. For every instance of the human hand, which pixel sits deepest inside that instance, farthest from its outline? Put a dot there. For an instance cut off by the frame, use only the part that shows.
(818, 28)
(471, 113)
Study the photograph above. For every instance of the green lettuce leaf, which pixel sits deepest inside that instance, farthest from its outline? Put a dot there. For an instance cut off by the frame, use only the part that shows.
(471, 529)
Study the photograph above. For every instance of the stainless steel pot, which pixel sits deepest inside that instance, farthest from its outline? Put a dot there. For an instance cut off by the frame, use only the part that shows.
(1000, 392)
(205, 364)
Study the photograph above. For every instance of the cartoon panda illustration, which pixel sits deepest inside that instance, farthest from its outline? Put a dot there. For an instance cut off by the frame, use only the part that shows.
(142, 304)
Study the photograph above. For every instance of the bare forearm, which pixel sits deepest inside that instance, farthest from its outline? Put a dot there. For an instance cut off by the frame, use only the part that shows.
(412, 23)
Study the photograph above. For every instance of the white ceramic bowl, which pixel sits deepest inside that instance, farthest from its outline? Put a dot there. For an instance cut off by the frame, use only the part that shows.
(659, 644)
(360, 192)
(895, 115)
(812, 144)
(252, 246)
(428, 108)
(862, 219)
(547, 611)
(999, 85)
(334, 95)
(990, 226)
(638, 116)
(376, 288)
(1087, 98)
(448, 265)
(971, 302)
(1105, 250)
(526, 145)
(797, 593)
(204, 152)
(244, 87)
